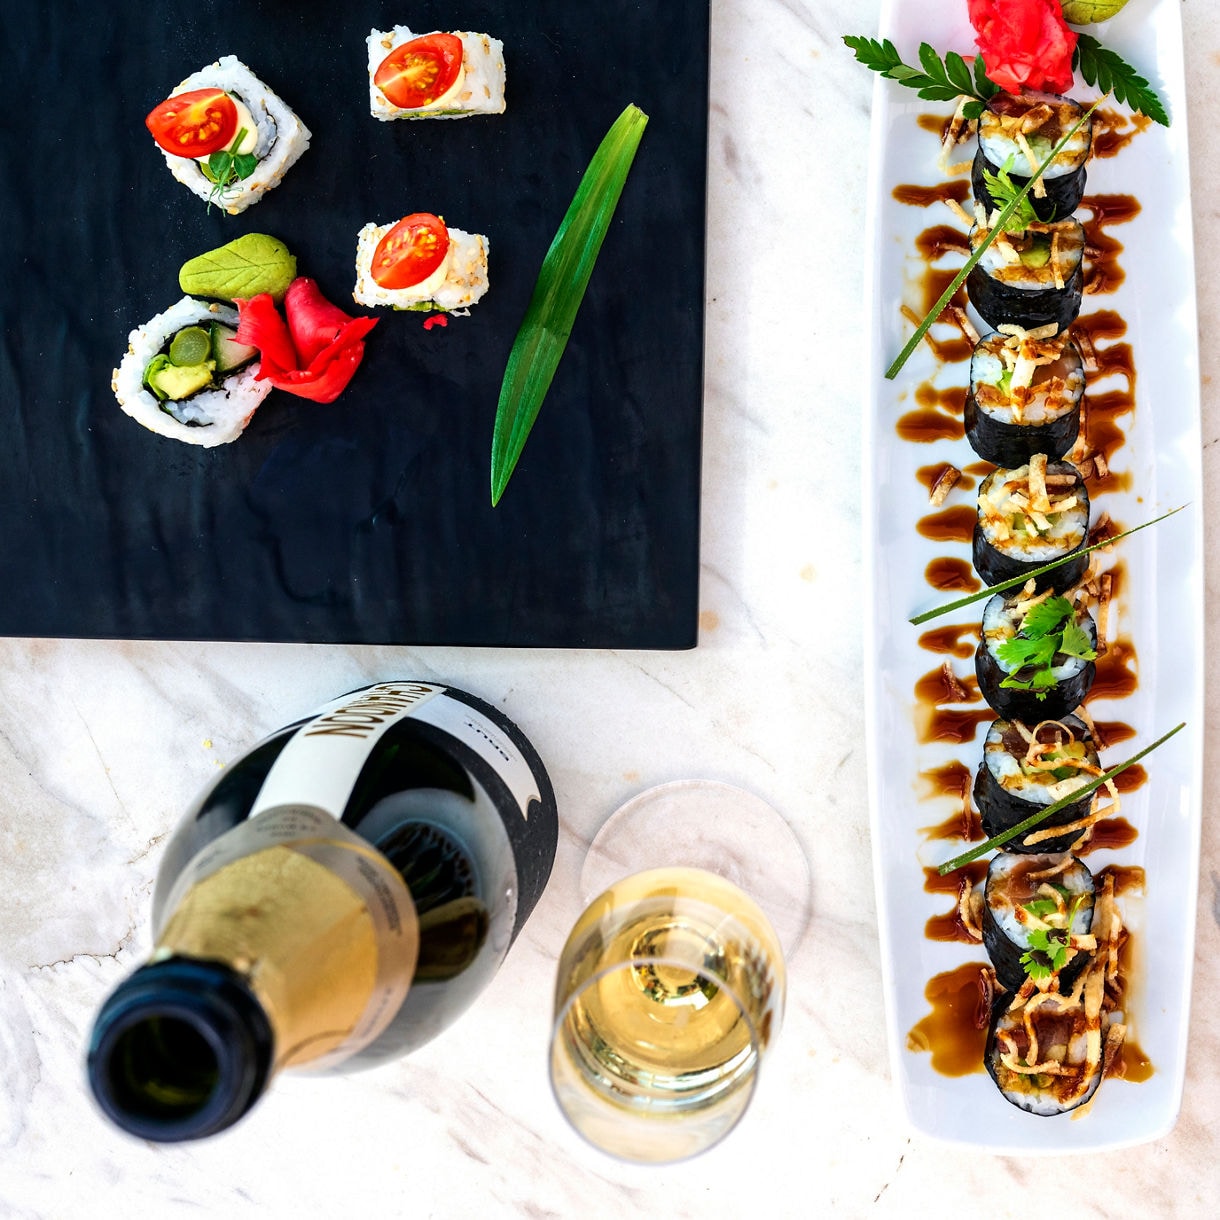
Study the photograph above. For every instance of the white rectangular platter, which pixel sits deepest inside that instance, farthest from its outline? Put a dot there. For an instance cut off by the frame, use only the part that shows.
(1159, 609)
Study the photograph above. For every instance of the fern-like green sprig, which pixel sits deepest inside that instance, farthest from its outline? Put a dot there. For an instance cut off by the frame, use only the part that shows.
(1109, 72)
(941, 80)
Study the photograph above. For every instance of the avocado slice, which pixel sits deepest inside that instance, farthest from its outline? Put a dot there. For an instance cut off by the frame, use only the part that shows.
(175, 382)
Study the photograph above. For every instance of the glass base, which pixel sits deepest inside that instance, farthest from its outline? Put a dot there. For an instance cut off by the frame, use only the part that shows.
(716, 827)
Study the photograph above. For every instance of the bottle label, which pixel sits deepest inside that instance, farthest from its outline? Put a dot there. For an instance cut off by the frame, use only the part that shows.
(322, 762)
(317, 921)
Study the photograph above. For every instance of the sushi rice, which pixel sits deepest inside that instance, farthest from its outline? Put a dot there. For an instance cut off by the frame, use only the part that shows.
(208, 417)
(282, 137)
(465, 281)
(482, 61)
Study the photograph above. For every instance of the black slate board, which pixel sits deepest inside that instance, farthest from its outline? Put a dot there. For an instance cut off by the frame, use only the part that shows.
(368, 520)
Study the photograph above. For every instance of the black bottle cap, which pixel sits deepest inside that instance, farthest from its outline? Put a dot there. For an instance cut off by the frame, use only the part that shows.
(180, 1050)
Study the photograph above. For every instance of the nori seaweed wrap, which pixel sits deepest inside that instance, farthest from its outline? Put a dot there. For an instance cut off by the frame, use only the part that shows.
(1033, 278)
(1024, 673)
(1025, 768)
(1031, 516)
(1016, 133)
(1024, 397)
(1038, 909)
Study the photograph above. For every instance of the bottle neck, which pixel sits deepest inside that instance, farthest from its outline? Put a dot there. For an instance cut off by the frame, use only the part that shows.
(181, 1050)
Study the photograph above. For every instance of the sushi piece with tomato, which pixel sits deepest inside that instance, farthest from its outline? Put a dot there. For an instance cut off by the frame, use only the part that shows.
(185, 375)
(434, 76)
(226, 136)
(420, 263)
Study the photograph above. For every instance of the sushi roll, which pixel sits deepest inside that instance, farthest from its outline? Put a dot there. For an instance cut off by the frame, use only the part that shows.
(1030, 516)
(186, 377)
(1025, 395)
(1046, 1051)
(226, 136)
(1016, 134)
(1025, 769)
(1032, 278)
(420, 263)
(434, 76)
(1037, 919)
(1035, 656)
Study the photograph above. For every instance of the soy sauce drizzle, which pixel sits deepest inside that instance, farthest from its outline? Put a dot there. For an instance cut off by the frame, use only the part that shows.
(952, 575)
(956, 639)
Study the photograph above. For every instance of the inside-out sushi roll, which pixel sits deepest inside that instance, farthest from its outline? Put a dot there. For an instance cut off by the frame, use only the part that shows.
(1025, 393)
(1037, 919)
(1033, 278)
(1024, 769)
(1030, 516)
(434, 76)
(1035, 656)
(1016, 134)
(186, 377)
(420, 263)
(226, 136)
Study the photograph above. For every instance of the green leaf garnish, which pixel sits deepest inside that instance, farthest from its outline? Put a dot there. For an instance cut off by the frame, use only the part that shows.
(1048, 947)
(940, 81)
(226, 168)
(1034, 819)
(557, 295)
(1015, 581)
(1110, 73)
(1001, 188)
(997, 227)
(1031, 653)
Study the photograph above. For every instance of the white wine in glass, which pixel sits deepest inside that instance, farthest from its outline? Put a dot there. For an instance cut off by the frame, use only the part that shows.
(670, 989)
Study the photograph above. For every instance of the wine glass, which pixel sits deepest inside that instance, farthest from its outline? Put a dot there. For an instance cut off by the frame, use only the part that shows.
(671, 985)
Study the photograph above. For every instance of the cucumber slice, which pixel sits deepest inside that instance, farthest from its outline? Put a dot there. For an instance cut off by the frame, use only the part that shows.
(1038, 254)
(227, 352)
(190, 346)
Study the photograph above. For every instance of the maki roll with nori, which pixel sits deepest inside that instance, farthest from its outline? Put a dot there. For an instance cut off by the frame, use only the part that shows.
(1045, 1051)
(1016, 133)
(185, 375)
(1025, 393)
(1035, 656)
(1037, 918)
(1026, 768)
(1032, 278)
(227, 136)
(1031, 516)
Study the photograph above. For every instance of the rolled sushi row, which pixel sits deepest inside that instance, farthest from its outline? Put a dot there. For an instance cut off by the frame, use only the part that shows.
(1051, 935)
(1032, 272)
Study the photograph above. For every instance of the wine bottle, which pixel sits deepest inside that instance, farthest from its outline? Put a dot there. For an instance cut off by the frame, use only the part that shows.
(334, 899)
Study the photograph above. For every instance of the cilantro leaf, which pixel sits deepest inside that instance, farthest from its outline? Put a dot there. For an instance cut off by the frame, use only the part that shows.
(1003, 190)
(1110, 73)
(1047, 952)
(1074, 642)
(1046, 617)
(940, 81)
(1019, 652)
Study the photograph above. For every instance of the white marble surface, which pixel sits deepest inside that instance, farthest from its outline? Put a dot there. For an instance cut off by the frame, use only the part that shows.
(102, 745)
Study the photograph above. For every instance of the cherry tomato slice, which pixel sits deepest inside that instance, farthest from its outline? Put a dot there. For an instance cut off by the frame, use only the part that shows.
(411, 251)
(418, 72)
(194, 124)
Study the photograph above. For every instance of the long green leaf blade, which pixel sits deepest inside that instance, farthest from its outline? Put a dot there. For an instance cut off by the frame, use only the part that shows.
(560, 288)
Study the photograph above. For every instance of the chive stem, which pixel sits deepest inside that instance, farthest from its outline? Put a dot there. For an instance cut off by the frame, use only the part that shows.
(1034, 819)
(1014, 581)
(998, 227)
